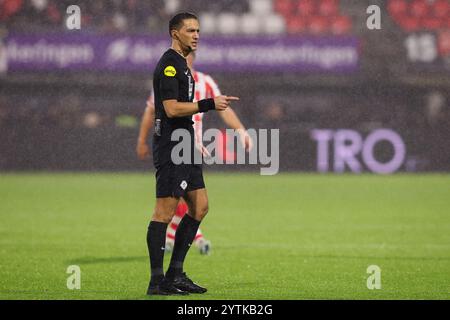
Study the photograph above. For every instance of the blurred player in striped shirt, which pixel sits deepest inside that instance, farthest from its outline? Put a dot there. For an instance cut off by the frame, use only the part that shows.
(205, 88)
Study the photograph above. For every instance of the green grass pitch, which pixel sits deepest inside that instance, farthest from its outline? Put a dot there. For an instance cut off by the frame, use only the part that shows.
(289, 236)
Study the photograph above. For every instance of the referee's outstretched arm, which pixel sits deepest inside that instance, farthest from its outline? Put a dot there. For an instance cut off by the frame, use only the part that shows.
(175, 109)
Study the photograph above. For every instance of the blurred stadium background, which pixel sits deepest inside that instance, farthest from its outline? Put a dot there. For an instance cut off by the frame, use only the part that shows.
(298, 65)
(71, 100)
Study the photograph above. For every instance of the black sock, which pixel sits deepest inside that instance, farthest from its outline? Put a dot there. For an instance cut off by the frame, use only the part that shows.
(187, 229)
(156, 242)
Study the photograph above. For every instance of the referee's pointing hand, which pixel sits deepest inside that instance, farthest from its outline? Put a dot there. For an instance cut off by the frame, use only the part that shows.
(223, 102)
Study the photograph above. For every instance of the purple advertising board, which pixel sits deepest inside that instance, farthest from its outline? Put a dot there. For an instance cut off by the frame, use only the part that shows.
(140, 53)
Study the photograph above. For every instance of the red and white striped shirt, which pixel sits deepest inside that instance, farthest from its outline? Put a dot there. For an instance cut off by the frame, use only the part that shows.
(205, 88)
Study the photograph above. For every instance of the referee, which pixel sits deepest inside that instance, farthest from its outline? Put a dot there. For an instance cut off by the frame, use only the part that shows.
(173, 87)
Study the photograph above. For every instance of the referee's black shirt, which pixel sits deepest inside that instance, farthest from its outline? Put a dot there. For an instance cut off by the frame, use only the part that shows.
(172, 79)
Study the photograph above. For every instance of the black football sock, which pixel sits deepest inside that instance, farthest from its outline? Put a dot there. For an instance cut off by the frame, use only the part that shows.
(187, 229)
(156, 242)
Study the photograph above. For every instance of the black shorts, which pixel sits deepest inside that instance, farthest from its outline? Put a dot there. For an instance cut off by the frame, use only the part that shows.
(175, 180)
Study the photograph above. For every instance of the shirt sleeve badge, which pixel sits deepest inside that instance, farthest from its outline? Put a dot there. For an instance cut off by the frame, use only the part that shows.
(170, 71)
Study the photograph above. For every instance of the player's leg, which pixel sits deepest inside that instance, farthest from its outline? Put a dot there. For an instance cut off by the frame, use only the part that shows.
(197, 206)
(181, 210)
(203, 245)
(156, 236)
(197, 201)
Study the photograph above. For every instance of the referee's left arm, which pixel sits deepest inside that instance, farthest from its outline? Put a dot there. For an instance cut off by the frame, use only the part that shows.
(142, 149)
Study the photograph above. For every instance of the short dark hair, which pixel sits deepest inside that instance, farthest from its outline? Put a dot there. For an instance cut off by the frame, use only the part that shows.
(177, 20)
